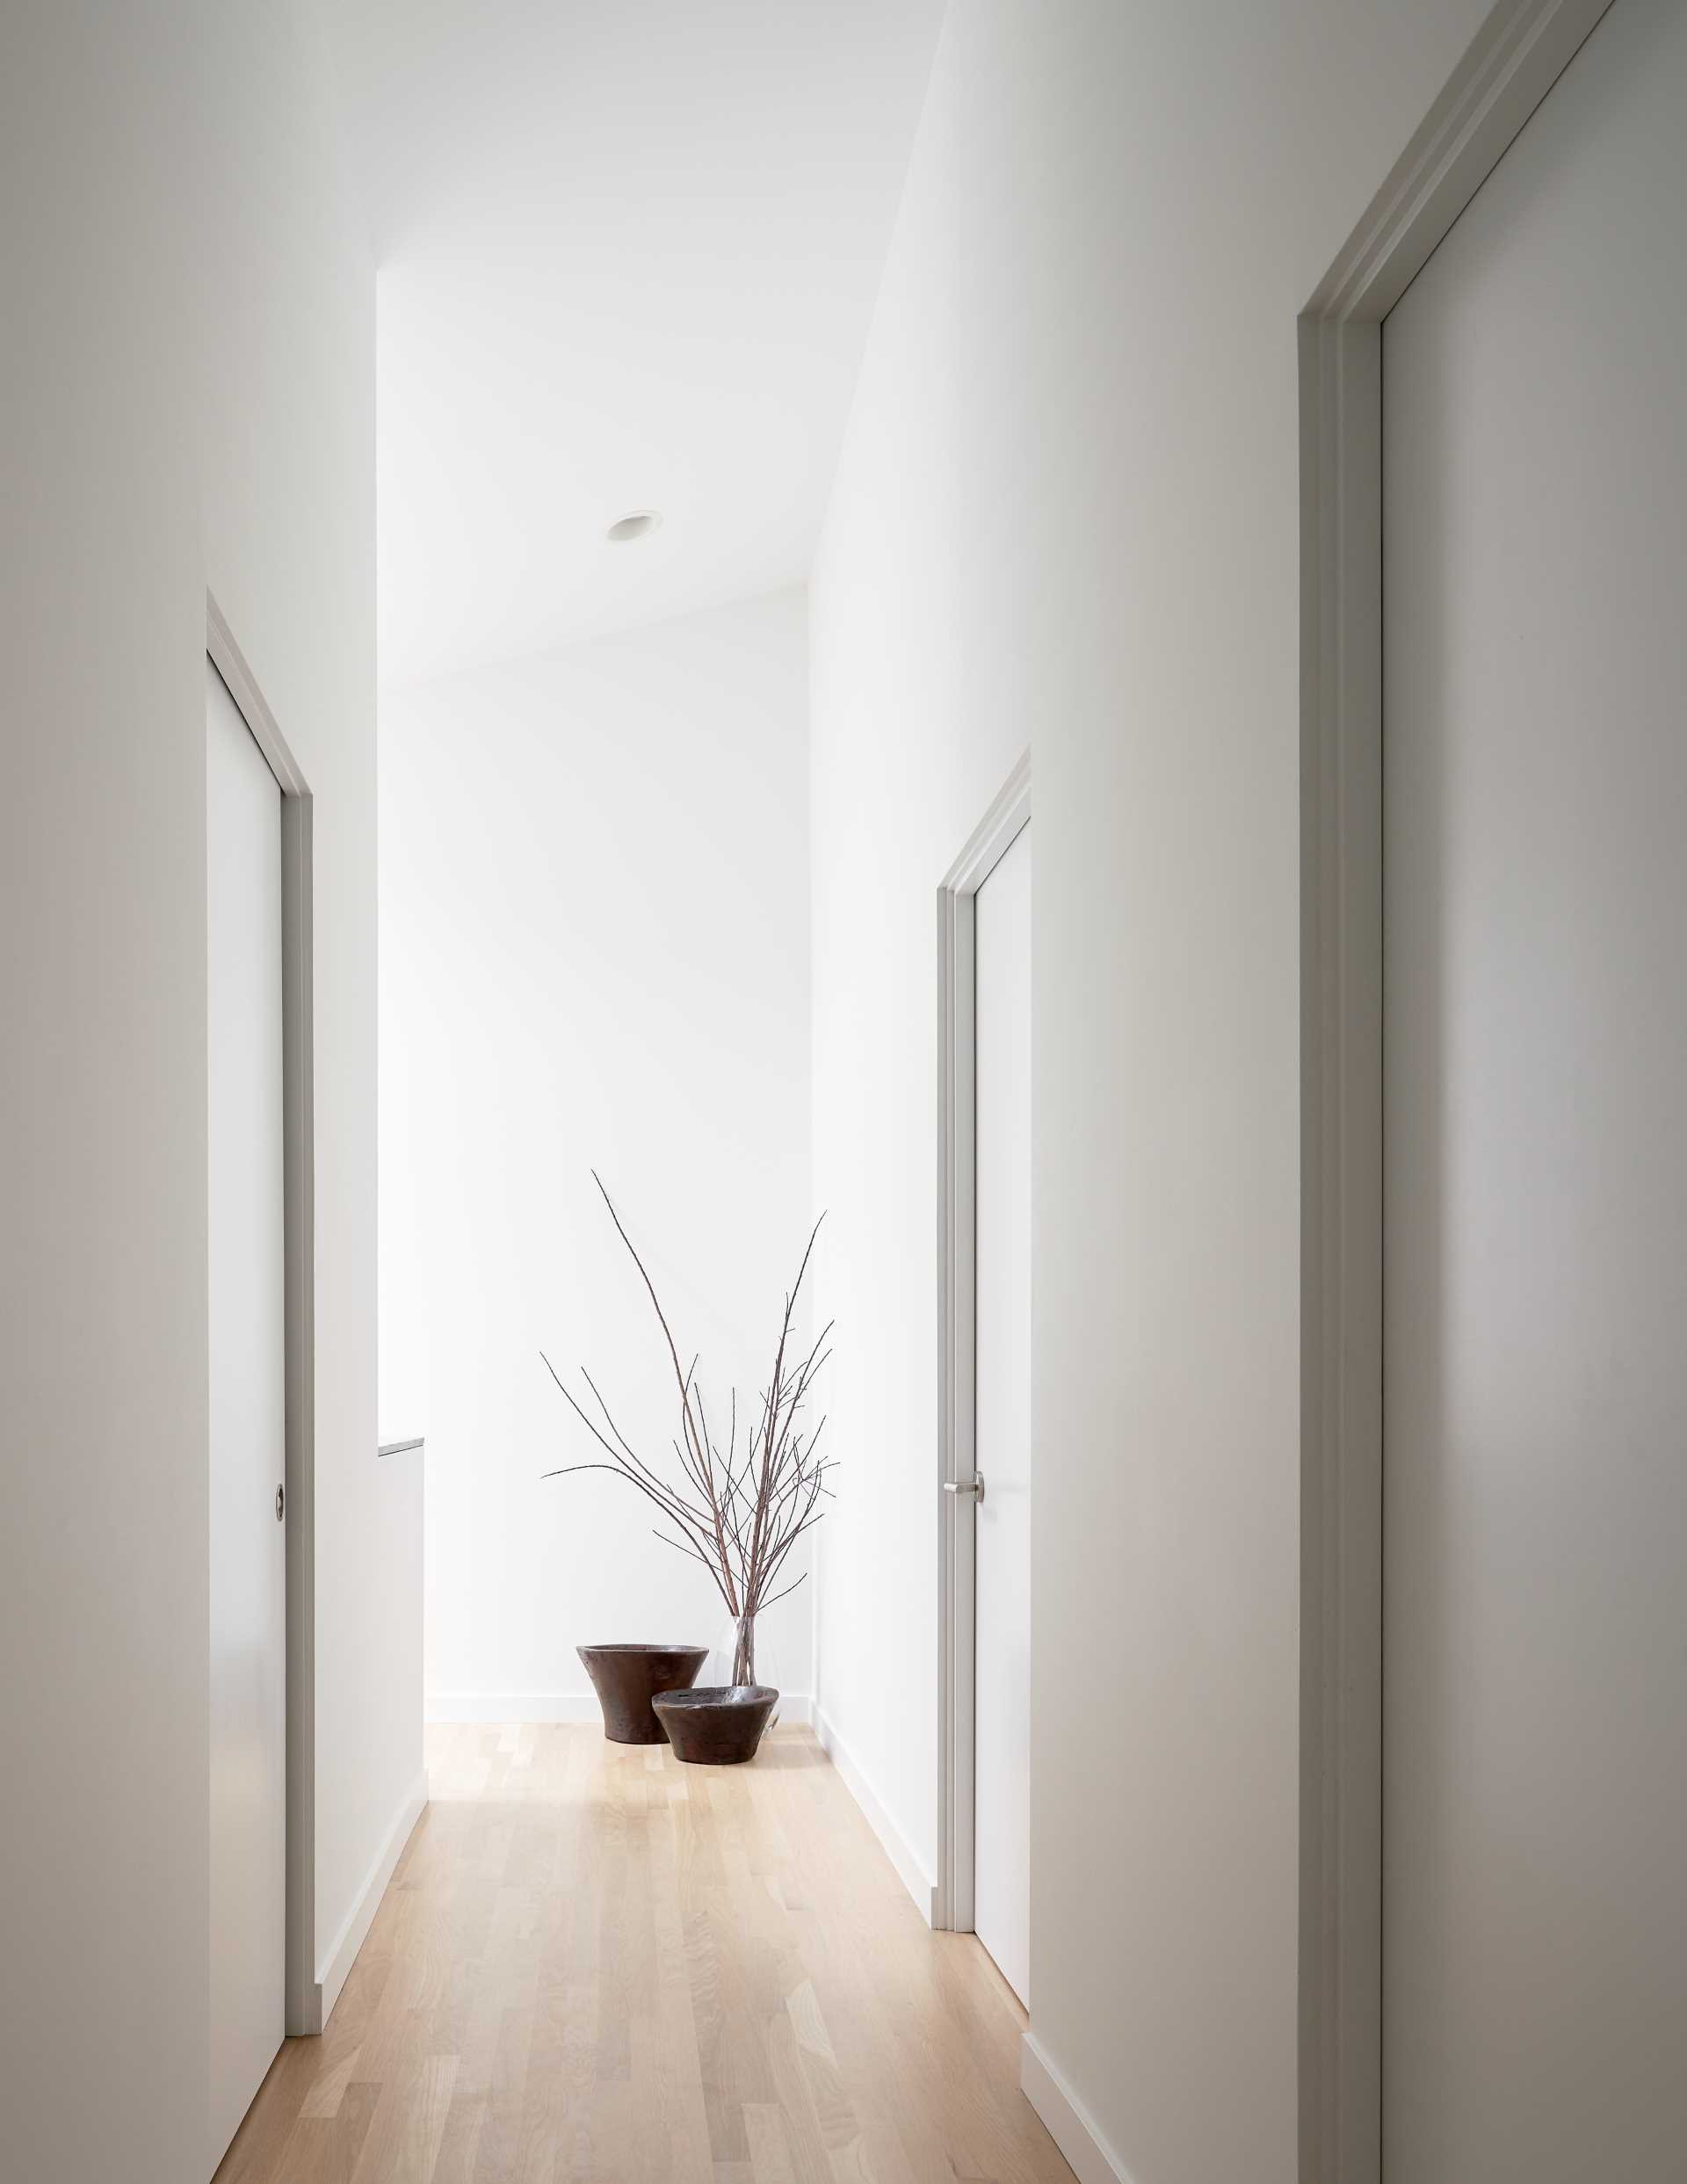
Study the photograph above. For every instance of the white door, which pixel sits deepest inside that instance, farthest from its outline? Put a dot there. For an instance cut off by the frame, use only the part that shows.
(1535, 790)
(247, 1553)
(1001, 1428)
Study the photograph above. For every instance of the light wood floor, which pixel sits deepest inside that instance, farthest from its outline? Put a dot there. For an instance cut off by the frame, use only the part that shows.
(594, 1963)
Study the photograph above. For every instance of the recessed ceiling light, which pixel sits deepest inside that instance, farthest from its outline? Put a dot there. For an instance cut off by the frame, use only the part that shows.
(638, 524)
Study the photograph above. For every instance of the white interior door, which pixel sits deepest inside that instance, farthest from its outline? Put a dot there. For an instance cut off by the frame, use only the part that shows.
(247, 1337)
(1002, 1416)
(1535, 1433)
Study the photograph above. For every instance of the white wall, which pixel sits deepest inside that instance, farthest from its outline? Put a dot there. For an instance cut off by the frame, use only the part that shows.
(1066, 518)
(595, 953)
(187, 399)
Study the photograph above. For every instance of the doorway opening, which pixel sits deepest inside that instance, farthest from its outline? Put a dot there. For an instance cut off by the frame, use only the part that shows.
(1504, 77)
(301, 2000)
(984, 1144)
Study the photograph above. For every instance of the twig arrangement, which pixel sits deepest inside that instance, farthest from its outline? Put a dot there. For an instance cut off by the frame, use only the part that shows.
(739, 1514)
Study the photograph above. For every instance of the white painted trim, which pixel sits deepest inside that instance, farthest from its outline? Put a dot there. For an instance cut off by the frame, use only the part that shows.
(1514, 60)
(332, 1977)
(301, 2004)
(488, 1709)
(1069, 2124)
(913, 1875)
(956, 899)
(991, 839)
(298, 1173)
(230, 663)
(1521, 50)
(1341, 1508)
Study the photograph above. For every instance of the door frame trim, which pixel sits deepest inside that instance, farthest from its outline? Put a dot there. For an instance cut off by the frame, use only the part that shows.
(1008, 812)
(303, 2003)
(1516, 58)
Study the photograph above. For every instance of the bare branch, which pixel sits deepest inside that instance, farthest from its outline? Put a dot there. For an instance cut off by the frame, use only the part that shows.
(753, 1506)
(789, 1589)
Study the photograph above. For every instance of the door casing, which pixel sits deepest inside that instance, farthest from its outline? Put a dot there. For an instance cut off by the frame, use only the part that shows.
(302, 2011)
(1008, 813)
(1522, 49)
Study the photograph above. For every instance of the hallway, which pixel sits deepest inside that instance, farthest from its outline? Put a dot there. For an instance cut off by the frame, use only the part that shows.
(595, 1963)
(1025, 654)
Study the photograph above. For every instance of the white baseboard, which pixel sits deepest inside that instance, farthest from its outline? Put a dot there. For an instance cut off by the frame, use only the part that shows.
(486, 1709)
(913, 1875)
(331, 1976)
(1091, 2159)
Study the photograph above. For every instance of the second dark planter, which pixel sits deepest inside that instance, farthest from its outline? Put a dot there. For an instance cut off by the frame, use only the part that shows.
(627, 1678)
(716, 1727)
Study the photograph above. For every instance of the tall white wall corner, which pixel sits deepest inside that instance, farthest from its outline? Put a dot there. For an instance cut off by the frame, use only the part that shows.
(331, 1976)
(1068, 2122)
(913, 1875)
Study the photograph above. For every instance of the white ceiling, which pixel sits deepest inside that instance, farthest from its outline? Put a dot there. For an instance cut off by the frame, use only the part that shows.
(629, 252)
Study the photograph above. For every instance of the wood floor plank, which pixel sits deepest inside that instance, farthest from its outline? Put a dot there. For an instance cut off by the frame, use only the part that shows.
(597, 1966)
(328, 2149)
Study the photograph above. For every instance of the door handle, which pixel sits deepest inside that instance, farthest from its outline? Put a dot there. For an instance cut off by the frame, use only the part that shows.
(973, 1486)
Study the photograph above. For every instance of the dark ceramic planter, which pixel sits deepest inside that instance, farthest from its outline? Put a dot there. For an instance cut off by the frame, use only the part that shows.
(627, 1678)
(718, 1726)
